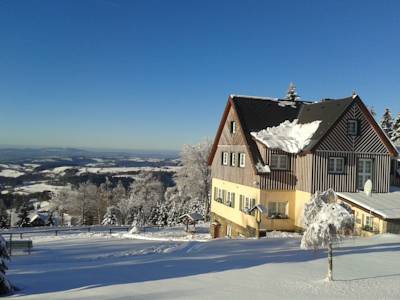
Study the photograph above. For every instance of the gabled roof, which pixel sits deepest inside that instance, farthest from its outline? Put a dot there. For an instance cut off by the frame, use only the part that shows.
(257, 113)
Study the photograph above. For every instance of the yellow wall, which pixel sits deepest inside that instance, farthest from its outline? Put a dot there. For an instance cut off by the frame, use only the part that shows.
(360, 219)
(295, 199)
(234, 214)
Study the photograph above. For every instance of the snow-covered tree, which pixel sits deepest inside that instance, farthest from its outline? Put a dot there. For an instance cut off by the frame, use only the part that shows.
(396, 130)
(326, 221)
(23, 214)
(193, 178)
(372, 111)
(291, 94)
(104, 198)
(112, 216)
(387, 122)
(83, 203)
(125, 207)
(60, 202)
(118, 193)
(146, 194)
(5, 285)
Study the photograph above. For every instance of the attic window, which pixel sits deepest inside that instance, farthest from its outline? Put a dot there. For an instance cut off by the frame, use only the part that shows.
(279, 162)
(233, 127)
(352, 127)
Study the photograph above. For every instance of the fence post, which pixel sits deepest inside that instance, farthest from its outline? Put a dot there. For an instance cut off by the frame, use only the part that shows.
(20, 235)
(56, 232)
(10, 243)
(88, 229)
(110, 230)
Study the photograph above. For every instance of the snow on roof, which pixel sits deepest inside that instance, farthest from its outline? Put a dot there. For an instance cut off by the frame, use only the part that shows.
(260, 208)
(192, 216)
(386, 205)
(288, 136)
(262, 168)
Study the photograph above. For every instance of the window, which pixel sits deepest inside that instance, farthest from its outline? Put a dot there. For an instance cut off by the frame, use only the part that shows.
(242, 158)
(369, 223)
(231, 199)
(215, 193)
(364, 172)
(233, 159)
(277, 210)
(336, 165)
(241, 202)
(279, 162)
(233, 127)
(225, 158)
(352, 127)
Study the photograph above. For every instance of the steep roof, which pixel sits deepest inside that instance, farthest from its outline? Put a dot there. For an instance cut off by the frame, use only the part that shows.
(257, 113)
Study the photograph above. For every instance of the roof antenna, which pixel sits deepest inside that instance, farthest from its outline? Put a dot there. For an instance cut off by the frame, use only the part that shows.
(292, 93)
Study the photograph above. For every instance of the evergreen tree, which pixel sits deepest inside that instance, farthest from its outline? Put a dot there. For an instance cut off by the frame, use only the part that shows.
(292, 93)
(387, 122)
(23, 215)
(396, 130)
(372, 111)
(5, 285)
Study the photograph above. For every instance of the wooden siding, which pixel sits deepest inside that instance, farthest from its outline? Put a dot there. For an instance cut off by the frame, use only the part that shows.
(304, 172)
(279, 179)
(347, 182)
(367, 141)
(394, 175)
(233, 143)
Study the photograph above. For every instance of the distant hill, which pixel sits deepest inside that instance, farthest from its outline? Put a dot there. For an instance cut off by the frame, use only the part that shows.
(18, 154)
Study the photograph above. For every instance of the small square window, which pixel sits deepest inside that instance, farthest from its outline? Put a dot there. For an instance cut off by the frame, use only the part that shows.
(279, 162)
(336, 165)
(233, 127)
(352, 127)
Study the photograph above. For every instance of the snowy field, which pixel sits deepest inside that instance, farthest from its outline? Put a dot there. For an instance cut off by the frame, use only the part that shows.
(100, 266)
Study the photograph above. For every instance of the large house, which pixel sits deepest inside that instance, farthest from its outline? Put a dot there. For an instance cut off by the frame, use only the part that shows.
(270, 155)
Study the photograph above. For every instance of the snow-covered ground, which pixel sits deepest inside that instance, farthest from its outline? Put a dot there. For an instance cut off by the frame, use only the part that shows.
(100, 266)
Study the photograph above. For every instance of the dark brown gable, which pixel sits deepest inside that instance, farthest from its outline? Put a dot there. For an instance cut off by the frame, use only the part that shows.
(368, 141)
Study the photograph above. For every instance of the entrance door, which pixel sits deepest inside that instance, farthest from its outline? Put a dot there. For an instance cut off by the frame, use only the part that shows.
(364, 172)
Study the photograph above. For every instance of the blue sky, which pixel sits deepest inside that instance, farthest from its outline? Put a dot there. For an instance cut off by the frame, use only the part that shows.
(157, 74)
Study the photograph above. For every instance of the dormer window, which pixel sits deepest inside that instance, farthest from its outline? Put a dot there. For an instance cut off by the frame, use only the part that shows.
(233, 127)
(352, 127)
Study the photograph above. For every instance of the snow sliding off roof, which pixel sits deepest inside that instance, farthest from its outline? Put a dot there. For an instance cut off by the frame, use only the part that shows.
(288, 136)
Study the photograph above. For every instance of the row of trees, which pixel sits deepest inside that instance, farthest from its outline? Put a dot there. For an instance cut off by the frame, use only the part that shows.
(391, 126)
(146, 201)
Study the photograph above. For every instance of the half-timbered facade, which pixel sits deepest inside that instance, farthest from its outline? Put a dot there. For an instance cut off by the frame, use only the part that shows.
(346, 148)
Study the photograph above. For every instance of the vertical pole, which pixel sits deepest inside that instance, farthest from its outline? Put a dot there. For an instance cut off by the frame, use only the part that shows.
(10, 242)
(330, 265)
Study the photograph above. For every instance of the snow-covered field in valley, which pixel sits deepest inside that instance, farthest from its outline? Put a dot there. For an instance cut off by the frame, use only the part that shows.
(100, 266)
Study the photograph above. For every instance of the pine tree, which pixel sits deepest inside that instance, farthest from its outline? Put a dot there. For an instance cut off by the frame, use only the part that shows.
(396, 130)
(387, 122)
(292, 93)
(5, 285)
(23, 215)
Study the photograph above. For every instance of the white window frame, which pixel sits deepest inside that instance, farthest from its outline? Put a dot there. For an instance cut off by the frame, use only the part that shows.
(282, 161)
(233, 127)
(233, 159)
(242, 160)
(225, 158)
(362, 174)
(337, 161)
(275, 208)
(355, 127)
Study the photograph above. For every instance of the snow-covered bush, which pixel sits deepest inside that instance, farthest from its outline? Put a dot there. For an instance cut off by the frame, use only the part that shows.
(5, 285)
(326, 221)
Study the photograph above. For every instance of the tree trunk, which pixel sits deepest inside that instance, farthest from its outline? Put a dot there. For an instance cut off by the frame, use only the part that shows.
(330, 277)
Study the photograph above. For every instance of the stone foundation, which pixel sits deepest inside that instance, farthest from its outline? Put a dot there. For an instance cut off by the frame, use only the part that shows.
(220, 225)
